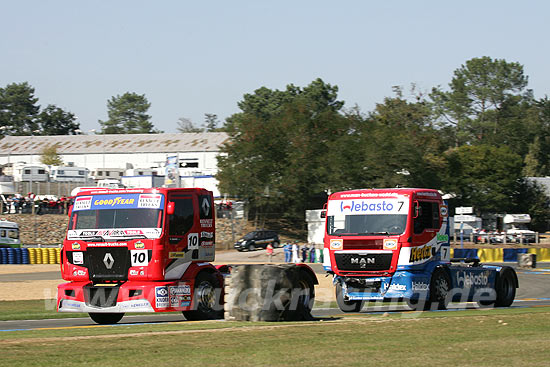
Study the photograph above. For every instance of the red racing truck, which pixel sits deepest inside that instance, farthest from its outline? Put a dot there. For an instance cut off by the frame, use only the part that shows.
(150, 250)
(141, 250)
(393, 244)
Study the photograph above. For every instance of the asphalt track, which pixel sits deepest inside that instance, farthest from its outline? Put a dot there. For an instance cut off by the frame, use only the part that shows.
(534, 291)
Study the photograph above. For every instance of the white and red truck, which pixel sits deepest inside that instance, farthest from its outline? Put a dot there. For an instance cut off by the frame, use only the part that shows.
(393, 244)
(150, 250)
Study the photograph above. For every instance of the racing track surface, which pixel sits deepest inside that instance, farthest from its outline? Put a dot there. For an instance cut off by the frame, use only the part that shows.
(534, 291)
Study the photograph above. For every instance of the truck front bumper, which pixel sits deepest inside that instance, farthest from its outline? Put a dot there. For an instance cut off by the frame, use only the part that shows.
(124, 298)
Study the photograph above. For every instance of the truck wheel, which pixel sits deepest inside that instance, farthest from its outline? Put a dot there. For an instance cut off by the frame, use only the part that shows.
(206, 297)
(440, 287)
(306, 296)
(347, 306)
(106, 318)
(505, 287)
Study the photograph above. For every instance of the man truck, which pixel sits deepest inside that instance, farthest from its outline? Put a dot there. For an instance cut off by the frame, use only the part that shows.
(393, 244)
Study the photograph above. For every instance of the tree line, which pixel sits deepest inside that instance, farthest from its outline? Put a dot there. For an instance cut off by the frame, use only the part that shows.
(477, 140)
(21, 115)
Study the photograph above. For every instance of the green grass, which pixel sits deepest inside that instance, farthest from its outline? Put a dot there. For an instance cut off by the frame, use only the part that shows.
(32, 310)
(499, 337)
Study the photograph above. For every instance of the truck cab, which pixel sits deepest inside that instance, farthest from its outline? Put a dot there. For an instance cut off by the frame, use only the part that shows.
(140, 250)
(386, 244)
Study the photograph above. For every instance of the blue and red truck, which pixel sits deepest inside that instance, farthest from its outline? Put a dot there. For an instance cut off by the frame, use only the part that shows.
(393, 244)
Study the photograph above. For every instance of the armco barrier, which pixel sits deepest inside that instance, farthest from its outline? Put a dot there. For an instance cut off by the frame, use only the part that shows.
(501, 254)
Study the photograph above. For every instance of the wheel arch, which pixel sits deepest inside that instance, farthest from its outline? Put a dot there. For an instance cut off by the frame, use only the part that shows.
(306, 269)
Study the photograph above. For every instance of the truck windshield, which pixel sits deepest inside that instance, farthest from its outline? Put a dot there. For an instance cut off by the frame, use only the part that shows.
(366, 225)
(124, 215)
(116, 218)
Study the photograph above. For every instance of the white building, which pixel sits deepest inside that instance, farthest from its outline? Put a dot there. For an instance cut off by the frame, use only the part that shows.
(109, 156)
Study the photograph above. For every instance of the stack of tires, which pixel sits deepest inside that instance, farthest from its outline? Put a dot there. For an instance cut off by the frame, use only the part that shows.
(269, 293)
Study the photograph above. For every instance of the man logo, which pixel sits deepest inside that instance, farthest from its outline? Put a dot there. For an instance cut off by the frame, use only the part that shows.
(362, 262)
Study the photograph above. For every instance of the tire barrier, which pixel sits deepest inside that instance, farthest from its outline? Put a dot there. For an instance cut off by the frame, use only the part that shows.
(501, 254)
(30, 255)
(269, 293)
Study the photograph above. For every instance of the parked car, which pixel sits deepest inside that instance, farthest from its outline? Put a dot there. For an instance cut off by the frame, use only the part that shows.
(257, 239)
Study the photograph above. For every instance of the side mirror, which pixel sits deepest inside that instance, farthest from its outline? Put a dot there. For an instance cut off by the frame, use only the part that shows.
(170, 208)
(323, 214)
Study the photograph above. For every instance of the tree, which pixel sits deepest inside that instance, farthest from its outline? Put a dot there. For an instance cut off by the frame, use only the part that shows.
(486, 177)
(50, 157)
(18, 109)
(211, 122)
(185, 125)
(478, 93)
(278, 148)
(55, 121)
(128, 115)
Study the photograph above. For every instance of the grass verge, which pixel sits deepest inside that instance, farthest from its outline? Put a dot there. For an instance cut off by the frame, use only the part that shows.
(473, 337)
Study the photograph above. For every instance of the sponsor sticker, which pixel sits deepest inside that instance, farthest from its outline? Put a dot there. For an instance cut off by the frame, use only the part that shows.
(207, 235)
(207, 223)
(184, 289)
(161, 297)
(336, 244)
(151, 201)
(78, 258)
(107, 244)
(207, 243)
(420, 253)
(75, 246)
(398, 287)
(82, 203)
(444, 210)
(390, 244)
(139, 245)
(176, 255)
(420, 286)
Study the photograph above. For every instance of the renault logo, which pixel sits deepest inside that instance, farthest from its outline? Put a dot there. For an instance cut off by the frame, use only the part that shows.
(108, 260)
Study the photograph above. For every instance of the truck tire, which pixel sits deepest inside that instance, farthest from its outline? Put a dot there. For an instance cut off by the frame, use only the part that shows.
(440, 285)
(505, 287)
(269, 293)
(206, 299)
(106, 318)
(347, 306)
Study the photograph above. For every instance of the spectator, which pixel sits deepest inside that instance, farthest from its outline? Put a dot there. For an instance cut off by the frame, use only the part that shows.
(304, 253)
(269, 250)
(288, 252)
(295, 249)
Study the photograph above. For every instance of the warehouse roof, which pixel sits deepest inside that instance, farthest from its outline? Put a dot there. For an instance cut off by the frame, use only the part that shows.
(114, 143)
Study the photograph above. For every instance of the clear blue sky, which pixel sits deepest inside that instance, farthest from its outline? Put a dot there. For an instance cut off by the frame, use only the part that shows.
(195, 57)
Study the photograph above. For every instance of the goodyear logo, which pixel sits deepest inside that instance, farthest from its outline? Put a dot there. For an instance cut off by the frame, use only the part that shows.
(75, 246)
(139, 244)
(420, 253)
(115, 201)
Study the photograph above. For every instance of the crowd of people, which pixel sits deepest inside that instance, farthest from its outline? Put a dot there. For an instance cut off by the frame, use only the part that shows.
(294, 253)
(43, 204)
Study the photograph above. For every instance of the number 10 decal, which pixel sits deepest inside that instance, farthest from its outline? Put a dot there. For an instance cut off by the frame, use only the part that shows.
(139, 257)
(193, 241)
